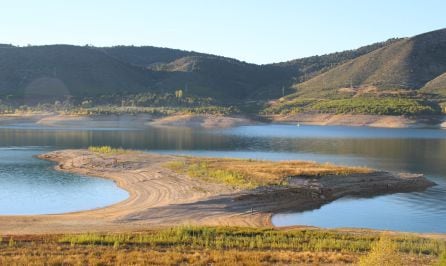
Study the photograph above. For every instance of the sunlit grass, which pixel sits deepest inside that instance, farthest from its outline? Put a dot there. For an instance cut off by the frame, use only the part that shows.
(253, 173)
(219, 246)
(106, 150)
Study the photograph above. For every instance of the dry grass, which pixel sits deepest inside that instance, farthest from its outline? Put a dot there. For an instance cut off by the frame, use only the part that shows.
(217, 246)
(253, 173)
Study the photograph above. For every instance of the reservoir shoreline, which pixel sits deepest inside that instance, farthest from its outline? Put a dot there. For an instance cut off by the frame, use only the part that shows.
(160, 197)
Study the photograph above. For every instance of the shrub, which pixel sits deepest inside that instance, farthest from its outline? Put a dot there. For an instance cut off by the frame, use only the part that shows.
(383, 252)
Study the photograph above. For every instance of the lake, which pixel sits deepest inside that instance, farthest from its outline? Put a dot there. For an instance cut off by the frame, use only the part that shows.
(30, 186)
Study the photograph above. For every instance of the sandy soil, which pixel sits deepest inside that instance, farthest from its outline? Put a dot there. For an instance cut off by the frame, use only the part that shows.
(217, 121)
(202, 121)
(102, 121)
(360, 120)
(125, 121)
(160, 197)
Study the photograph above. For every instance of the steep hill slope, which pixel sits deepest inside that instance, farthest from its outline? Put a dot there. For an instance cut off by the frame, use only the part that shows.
(145, 56)
(406, 64)
(305, 68)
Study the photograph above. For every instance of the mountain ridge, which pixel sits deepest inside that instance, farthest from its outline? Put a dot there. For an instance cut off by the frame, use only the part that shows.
(55, 71)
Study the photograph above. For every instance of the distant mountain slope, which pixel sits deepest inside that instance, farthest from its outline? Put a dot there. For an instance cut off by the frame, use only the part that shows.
(58, 70)
(436, 86)
(145, 56)
(55, 71)
(305, 68)
(228, 78)
(406, 64)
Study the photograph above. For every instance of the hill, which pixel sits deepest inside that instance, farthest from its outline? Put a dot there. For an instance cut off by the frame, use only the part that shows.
(436, 86)
(40, 72)
(305, 68)
(145, 56)
(410, 68)
(405, 64)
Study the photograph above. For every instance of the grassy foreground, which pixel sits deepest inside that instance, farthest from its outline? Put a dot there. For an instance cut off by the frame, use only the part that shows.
(222, 245)
(242, 173)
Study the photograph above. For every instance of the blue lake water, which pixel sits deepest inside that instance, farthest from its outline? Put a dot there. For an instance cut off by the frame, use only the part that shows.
(410, 150)
(31, 186)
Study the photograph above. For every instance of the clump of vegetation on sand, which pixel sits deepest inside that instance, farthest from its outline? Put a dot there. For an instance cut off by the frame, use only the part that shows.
(253, 173)
(107, 150)
(220, 246)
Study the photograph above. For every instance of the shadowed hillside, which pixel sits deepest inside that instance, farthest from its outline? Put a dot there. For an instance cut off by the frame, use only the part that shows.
(60, 70)
(36, 74)
(145, 56)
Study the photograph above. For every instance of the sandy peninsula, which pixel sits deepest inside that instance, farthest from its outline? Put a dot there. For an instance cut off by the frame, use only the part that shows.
(161, 197)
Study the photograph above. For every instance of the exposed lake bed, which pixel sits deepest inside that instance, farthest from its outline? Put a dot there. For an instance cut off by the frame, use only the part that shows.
(402, 150)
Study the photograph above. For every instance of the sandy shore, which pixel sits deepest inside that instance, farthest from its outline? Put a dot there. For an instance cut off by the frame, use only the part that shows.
(218, 121)
(386, 121)
(160, 197)
(202, 121)
(126, 121)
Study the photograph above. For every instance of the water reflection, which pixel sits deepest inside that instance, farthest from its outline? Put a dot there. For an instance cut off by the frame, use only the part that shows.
(31, 186)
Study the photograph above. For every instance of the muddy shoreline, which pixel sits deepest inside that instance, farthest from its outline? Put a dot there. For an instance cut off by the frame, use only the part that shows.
(160, 197)
(221, 121)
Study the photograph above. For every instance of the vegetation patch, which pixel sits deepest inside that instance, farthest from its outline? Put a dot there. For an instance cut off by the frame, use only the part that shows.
(241, 173)
(221, 246)
(377, 106)
(289, 107)
(356, 105)
(107, 150)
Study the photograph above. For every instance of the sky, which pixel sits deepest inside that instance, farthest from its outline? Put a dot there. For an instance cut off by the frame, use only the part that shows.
(255, 31)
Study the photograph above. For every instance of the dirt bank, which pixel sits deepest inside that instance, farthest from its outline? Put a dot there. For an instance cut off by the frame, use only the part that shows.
(202, 121)
(100, 121)
(361, 120)
(160, 197)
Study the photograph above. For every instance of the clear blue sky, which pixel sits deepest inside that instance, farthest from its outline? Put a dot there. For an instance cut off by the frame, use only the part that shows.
(257, 31)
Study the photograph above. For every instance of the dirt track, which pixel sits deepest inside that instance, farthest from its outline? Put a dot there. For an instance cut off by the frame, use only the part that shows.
(160, 197)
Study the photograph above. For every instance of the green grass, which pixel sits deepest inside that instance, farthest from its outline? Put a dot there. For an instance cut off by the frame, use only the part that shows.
(200, 237)
(203, 245)
(202, 170)
(377, 106)
(357, 105)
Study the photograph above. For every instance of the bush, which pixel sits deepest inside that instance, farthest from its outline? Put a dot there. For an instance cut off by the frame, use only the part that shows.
(383, 252)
